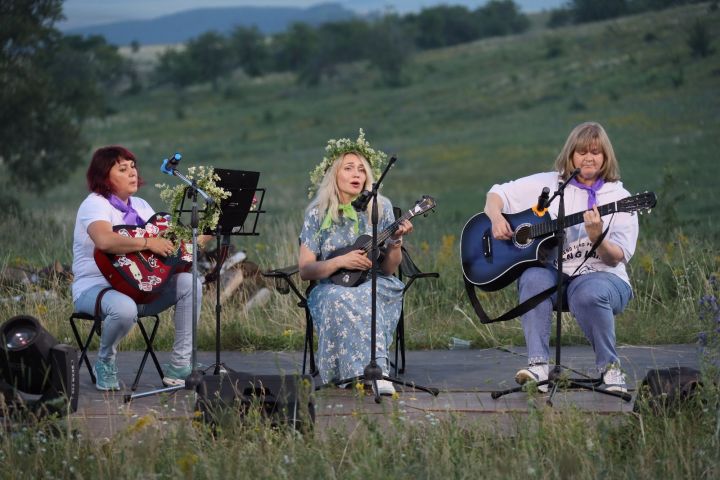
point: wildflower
(337, 147)
(646, 263)
(174, 196)
(186, 463)
(141, 423)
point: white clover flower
(337, 147)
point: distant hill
(180, 27)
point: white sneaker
(614, 380)
(385, 387)
(534, 373)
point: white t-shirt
(96, 207)
(521, 194)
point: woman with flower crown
(342, 314)
(113, 180)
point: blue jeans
(120, 312)
(594, 300)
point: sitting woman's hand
(405, 228)
(160, 246)
(355, 260)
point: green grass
(539, 444)
(670, 274)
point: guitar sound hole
(522, 235)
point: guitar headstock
(637, 203)
(423, 205)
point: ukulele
(352, 278)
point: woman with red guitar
(113, 179)
(599, 287)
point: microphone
(574, 174)
(170, 164)
(542, 202)
(361, 202)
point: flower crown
(338, 147)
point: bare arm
(106, 240)
(493, 209)
(313, 269)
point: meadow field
(468, 117)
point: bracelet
(145, 244)
(394, 242)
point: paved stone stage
(465, 379)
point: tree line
(386, 42)
(585, 11)
(314, 53)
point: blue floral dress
(342, 315)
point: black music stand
(192, 190)
(234, 212)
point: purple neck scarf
(131, 216)
(592, 190)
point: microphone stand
(195, 376)
(555, 376)
(373, 372)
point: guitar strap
(531, 302)
(98, 302)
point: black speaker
(64, 385)
(282, 399)
(37, 374)
(667, 390)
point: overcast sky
(92, 12)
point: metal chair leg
(84, 345)
(148, 350)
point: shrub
(699, 40)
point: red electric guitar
(142, 275)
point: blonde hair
(585, 136)
(327, 198)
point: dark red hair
(98, 173)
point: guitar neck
(546, 228)
(385, 234)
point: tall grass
(669, 274)
(542, 443)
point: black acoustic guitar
(353, 278)
(492, 264)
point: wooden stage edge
(465, 378)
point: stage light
(36, 373)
